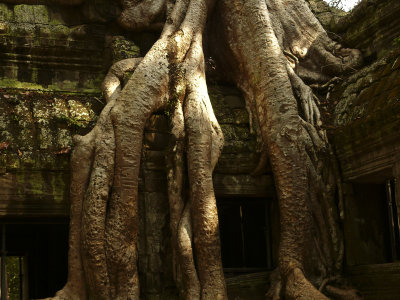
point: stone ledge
(379, 281)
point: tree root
(104, 211)
(262, 164)
(290, 123)
(189, 286)
(95, 208)
(142, 16)
(306, 97)
(184, 268)
(299, 288)
(112, 83)
(342, 294)
(275, 290)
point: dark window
(15, 282)
(371, 224)
(245, 234)
(393, 218)
(36, 261)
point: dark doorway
(245, 234)
(40, 251)
(393, 216)
(371, 224)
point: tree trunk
(272, 51)
(273, 48)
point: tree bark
(275, 46)
(274, 50)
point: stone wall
(35, 141)
(367, 118)
(372, 27)
(367, 144)
(366, 137)
(60, 47)
(327, 15)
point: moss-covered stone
(6, 14)
(24, 14)
(122, 48)
(39, 126)
(59, 31)
(71, 49)
(40, 13)
(371, 27)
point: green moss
(94, 85)
(55, 22)
(13, 83)
(173, 103)
(14, 117)
(6, 14)
(127, 76)
(34, 75)
(59, 31)
(243, 133)
(20, 182)
(41, 14)
(396, 41)
(71, 122)
(375, 128)
(123, 48)
(3, 28)
(63, 85)
(24, 14)
(12, 162)
(91, 86)
(37, 183)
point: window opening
(3, 263)
(34, 259)
(245, 234)
(372, 229)
(12, 273)
(14, 266)
(393, 217)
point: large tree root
(272, 71)
(271, 52)
(148, 14)
(299, 288)
(106, 241)
(345, 294)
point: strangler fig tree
(273, 50)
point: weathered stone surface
(367, 142)
(377, 281)
(244, 185)
(372, 27)
(248, 286)
(367, 118)
(327, 15)
(59, 48)
(37, 128)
